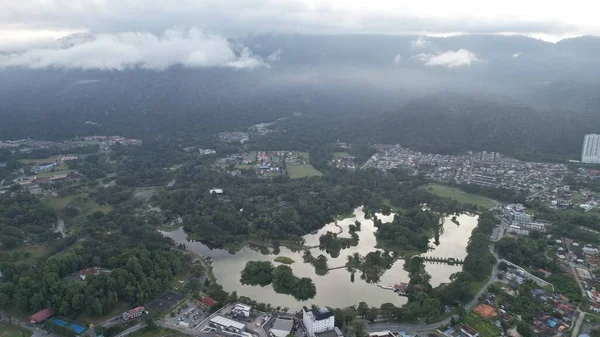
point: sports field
(460, 196)
(484, 328)
(302, 171)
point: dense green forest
(23, 218)
(281, 277)
(138, 264)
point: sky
(135, 27)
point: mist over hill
(505, 93)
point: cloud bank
(448, 59)
(189, 48)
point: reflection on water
(336, 289)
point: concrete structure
(317, 320)
(242, 310)
(590, 153)
(282, 327)
(468, 331)
(133, 313)
(225, 324)
(524, 273)
(331, 333)
(515, 229)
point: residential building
(317, 320)
(590, 251)
(225, 324)
(468, 331)
(88, 272)
(41, 316)
(216, 191)
(133, 313)
(242, 310)
(282, 327)
(590, 153)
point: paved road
(432, 326)
(132, 330)
(578, 324)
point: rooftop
(226, 322)
(318, 314)
(283, 324)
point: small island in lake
(284, 260)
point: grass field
(460, 196)
(244, 166)
(39, 161)
(9, 330)
(484, 328)
(119, 308)
(302, 171)
(80, 201)
(26, 254)
(341, 155)
(284, 260)
(156, 332)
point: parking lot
(163, 303)
(188, 316)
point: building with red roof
(88, 271)
(134, 313)
(41, 316)
(207, 302)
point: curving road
(432, 326)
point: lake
(336, 289)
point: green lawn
(302, 171)
(460, 196)
(342, 154)
(25, 253)
(81, 201)
(244, 166)
(484, 328)
(9, 330)
(39, 161)
(119, 308)
(156, 332)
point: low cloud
(421, 43)
(275, 56)
(448, 59)
(398, 59)
(516, 55)
(190, 48)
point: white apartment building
(317, 320)
(590, 153)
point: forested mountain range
(511, 94)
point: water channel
(336, 289)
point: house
(545, 272)
(225, 324)
(595, 307)
(590, 251)
(216, 191)
(282, 327)
(88, 272)
(242, 310)
(207, 302)
(133, 313)
(468, 331)
(317, 320)
(387, 333)
(41, 316)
